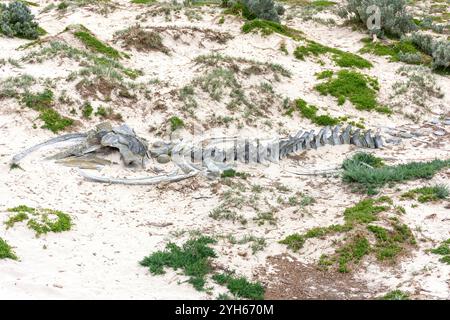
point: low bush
(16, 20)
(394, 18)
(255, 9)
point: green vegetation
(86, 110)
(215, 59)
(19, 217)
(143, 1)
(6, 251)
(216, 81)
(428, 194)
(360, 89)
(322, 3)
(96, 45)
(93, 64)
(257, 244)
(352, 252)
(369, 178)
(397, 51)
(324, 74)
(16, 20)
(310, 112)
(90, 41)
(43, 102)
(365, 211)
(39, 101)
(240, 287)
(254, 9)
(296, 241)
(175, 123)
(231, 173)
(53, 121)
(341, 58)
(268, 27)
(389, 243)
(194, 259)
(395, 20)
(395, 295)
(444, 251)
(41, 221)
(363, 158)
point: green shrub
(54, 121)
(41, 221)
(5, 251)
(444, 251)
(310, 112)
(143, 1)
(175, 123)
(341, 58)
(16, 20)
(364, 211)
(395, 21)
(363, 158)
(86, 110)
(231, 173)
(403, 50)
(268, 27)
(43, 102)
(240, 287)
(358, 88)
(395, 295)
(352, 252)
(255, 9)
(193, 258)
(428, 194)
(372, 178)
(39, 101)
(439, 50)
(90, 41)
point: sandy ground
(115, 226)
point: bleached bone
(70, 136)
(209, 157)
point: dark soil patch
(295, 280)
